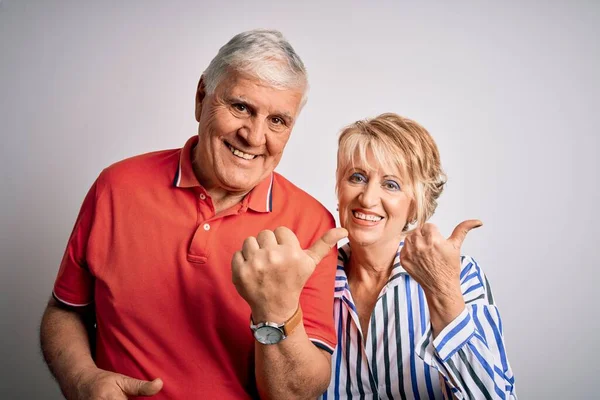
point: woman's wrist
(444, 307)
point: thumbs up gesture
(434, 261)
(271, 270)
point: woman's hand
(434, 262)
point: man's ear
(200, 95)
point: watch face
(268, 335)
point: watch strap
(292, 323)
(287, 327)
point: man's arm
(66, 347)
(292, 369)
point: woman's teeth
(367, 217)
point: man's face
(243, 128)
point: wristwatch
(272, 333)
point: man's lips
(239, 153)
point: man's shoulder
(287, 194)
(143, 168)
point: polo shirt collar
(341, 280)
(259, 199)
(184, 176)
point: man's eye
(240, 107)
(357, 178)
(277, 121)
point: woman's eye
(391, 185)
(357, 178)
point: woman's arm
(469, 352)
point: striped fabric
(467, 360)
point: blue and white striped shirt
(467, 360)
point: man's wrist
(279, 315)
(269, 332)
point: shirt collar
(259, 199)
(341, 279)
(184, 176)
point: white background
(509, 90)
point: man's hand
(97, 383)
(271, 270)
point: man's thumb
(460, 232)
(136, 387)
(321, 247)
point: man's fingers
(321, 247)
(266, 239)
(460, 232)
(250, 246)
(286, 236)
(136, 387)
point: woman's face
(373, 205)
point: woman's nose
(369, 197)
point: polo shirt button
(206, 227)
(202, 196)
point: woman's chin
(360, 239)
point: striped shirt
(399, 360)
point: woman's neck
(370, 266)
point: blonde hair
(396, 143)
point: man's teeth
(241, 154)
(366, 217)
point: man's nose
(254, 132)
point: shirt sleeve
(316, 298)
(469, 353)
(74, 285)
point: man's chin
(239, 186)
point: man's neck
(223, 200)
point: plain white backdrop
(510, 91)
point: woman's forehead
(375, 161)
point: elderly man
(175, 253)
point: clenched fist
(271, 270)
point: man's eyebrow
(286, 116)
(237, 99)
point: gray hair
(261, 53)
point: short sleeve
(74, 285)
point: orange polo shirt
(149, 252)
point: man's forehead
(258, 93)
(243, 85)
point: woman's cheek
(343, 217)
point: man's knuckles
(274, 259)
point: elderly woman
(414, 318)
